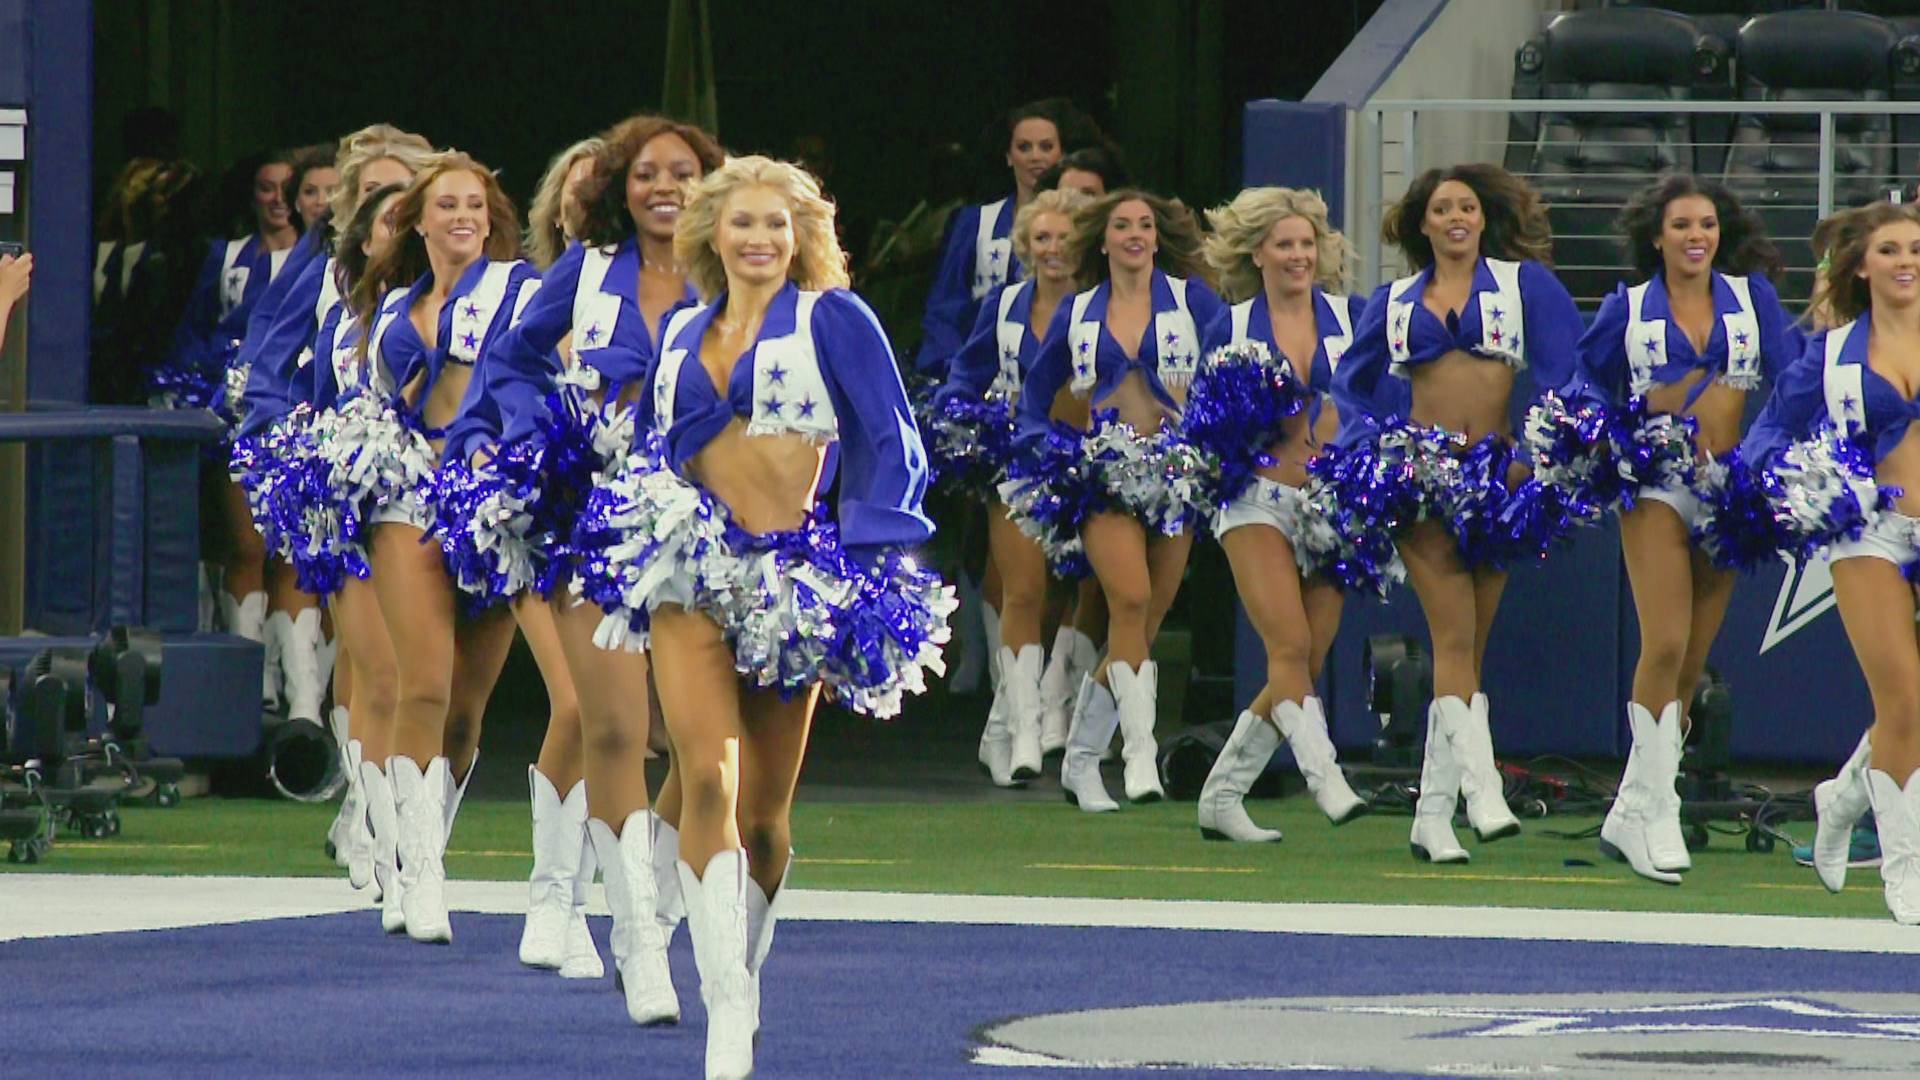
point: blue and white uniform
(1063, 476)
(554, 429)
(1635, 345)
(231, 281)
(975, 262)
(1387, 473)
(971, 426)
(833, 601)
(1829, 423)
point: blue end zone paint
(332, 996)
(1375, 51)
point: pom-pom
(1050, 490)
(1238, 407)
(969, 443)
(1817, 492)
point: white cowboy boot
(1838, 805)
(763, 914)
(359, 844)
(669, 906)
(1480, 779)
(300, 646)
(1666, 842)
(583, 956)
(558, 825)
(717, 921)
(1305, 728)
(247, 618)
(339, 834)
(274, 628)
(383, 826)
(419, 801)
(1136, 692)
(1095, 717)
(1057, 685)
(1241, 760)
(1440, 770)
(1020, 689)
(1624, 835)
(1896, 812)
(996, 739)
(452, 795)
(639, 948)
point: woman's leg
(1877, 610)
(613, 702)
(243, 571)
(1324, 602)
(1712, 592)
(417, 606)
(1447, 594)
(1022, 573)
(1270, 592)
(701, 700)
(771, 754)
(559, 759)
(1117, 549)
(375, 674)
(480, 648)
(1660, 563)
(1166, 569)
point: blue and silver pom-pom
(232, 406)
(1817, 492)
(1238, 406)
(482, 516)
(970, 442)
(1653, 451)
(1570, 450)
(184, 387)
(1050, 490)
(379, 457)
(1160, 479)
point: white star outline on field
(1793, 1016)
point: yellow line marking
(118, 846)
(1147, 869)
(1534, 878)
(1787, 885)
(848, 862)
(494, 854)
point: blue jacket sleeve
(950, 304)
(1553, 327)
(1364, 387)
(1051, 366)
(1781, 342)
(520, 365)
(1793, 409)
(274, 346)
(481, 421)
(978, 361)
(322, 389)
(883, 465)
(1600, 374)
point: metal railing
(1396, 140)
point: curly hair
(1065, 203)
(368, 145)
(1176, 230)
(1516, 218)
(349, 247)
(1241, 226)
(547, 231)
(405, 259)
(818, 261)
(1744, 247)
(1840, 242)
(604, 218)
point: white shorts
(1693, 512)
(411, 510)
(1277, 506)
(1891, 535)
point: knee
(1452, 638)
(376, 687)
(767, 838)
(1663, 652)
(1289, 653)
(463, 729)
(1127, 602)
(611, 741)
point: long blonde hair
(547, 226)
(1241, 226)
(1063, 201)
(368, 145)
(818, 261)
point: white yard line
(55, 905)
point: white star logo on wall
(1806, 593)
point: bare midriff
(768, 482)
(1718, 411)
(1298, 443)
(1463, 393)
(443, 400)
(1137, 406)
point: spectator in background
(16, 276)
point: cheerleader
(1260, 416)
(553, 217)
(1091, 170)
(1673, 360)
(723, 555)
(1480, 310)
(280, 377)
(232, 279)
(431, 299)
(1116, 476)
(973, 431)
(1840, 459)
(602, 300)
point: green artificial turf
(1043, 849)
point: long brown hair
(404, 260)
(1516, 218)
(1177, 235)
(1840, 295)
(603, 194)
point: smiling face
(1131, 238)
(316, 188)
(270, 210)
(1047, 243)
(1689, 236)
(1891, 267)
(1034, 148)
(1288, 257)
(753, 235)
(658, 181)
(454, 218)
(1453, 221)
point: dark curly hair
(1516, 218)
(1176, 231)
(604, 218)
(1744, 247)
(1075, 128)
